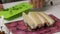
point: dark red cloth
(20, 28)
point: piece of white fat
(29, 21)
(49, 20)
(38, 20)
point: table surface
(55, 10)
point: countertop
(55, 10)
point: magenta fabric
(19, 27)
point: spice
(1, 6)
(37, 3)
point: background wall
(7, 5)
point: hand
(37, 3)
